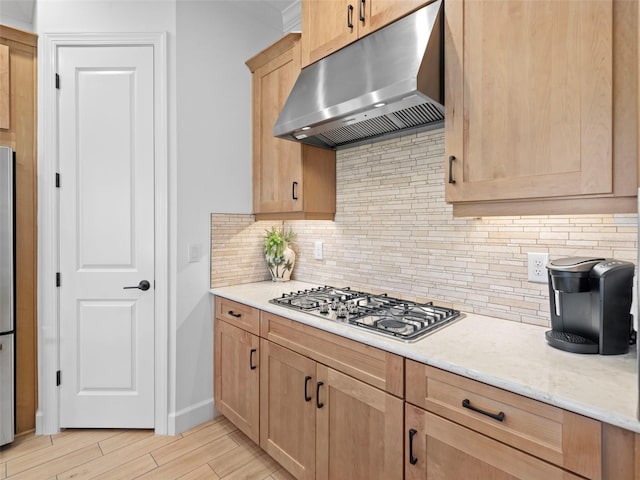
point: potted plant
(278, 253)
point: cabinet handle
(350, 16)
(466, 403)
(451, 159)
(294, 188)
(234, 314)
(307, 398)
(361, 10)
(251, 365)
(412, 460)
(319, 404)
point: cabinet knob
(294, 190)
(361, 10)
(350, 16)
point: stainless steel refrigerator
(7, 308)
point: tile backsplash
(393, 232)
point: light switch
(317, 249)
(195, 252)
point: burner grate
(382, 314)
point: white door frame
(47, 416)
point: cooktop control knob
(324, 307)
(352, 308)
(341, 311)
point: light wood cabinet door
(326, 26)
(383, 12)
(437, 449)
(287, 409)
(237, 377)
(290, 180)
(278, 162)
(530, 100)
(330, 25)
(359, 429)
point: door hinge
(58, 279)
(57, 180)
(58, 378)
(57, 81)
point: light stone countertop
(502, 353)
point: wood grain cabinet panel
(238, 314)
(620, 453)
(18, 121)
(288, 409)
(237, 377)
(330, 25)
(5, 89)
(550, 433)
(438, 449)
(541, 103)
(376, 367)
(290, 180)
(359, 429)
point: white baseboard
(191, 416)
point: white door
(106, 161)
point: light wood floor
(214, 450)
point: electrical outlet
(317, 249)
(537, 267)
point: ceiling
(23, 10)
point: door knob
(144, 285)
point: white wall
(15, 23)
(209, 151)
(17, 14)
(214, 167)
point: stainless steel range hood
(387, 83)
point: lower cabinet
(287, 404)
(462, 425)
(358, 429)
(329, 408)
(438, 449)
(320, 423)
(236, 377)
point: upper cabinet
(541, 104)
(329, 25)
(290, 181)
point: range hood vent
(386, 84)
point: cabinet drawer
(238, 314)
(441, 449)
(371, 365)
(560, 437)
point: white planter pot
(281, 267)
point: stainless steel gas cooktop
(401, 319)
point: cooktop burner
(382, 314)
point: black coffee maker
(590, 299)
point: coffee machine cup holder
(570, 342)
